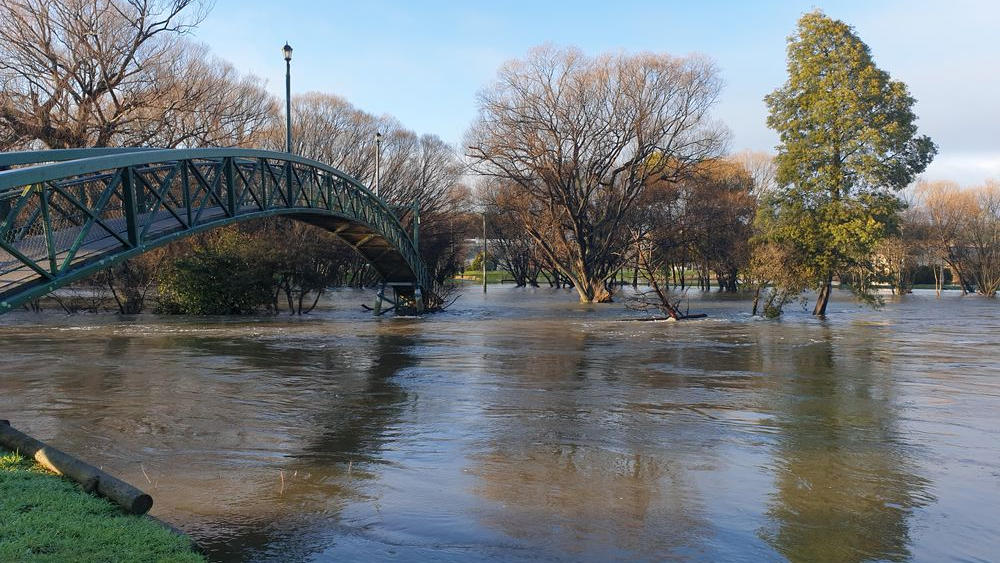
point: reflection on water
(563, 471)
(524, 426)
(593, 502)
(354, 426)
(845, 481)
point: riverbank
(44, 517)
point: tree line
(592, 171)
(606, 166)
(946, 226)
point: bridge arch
(66, 214)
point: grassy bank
(44, 517)
(492, 276)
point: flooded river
(525, 426)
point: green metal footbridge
(67, 214)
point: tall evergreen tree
(848, 143)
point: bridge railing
(67, 214)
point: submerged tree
(582, 137)
(943, 210)
(722, 212)
(848, 142)
(705, 218)
(983, 255)
(222, 275)
(510, 244)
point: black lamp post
(484, 249)
(287, 51)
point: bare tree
(582, 137)
(222, 108)
(982, 254)
(761, 168)
(706, 216)
(721, 211)
(329, 129)
(418, 173)
(81, 73)
(947, 209)
(512, 247)
(413, 168)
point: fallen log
(679, 318)
(89, 477)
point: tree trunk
(319, 293)
(961, 279)
(592, 292)
(664, 300)
(635, 270)
(288, 296)
(111, 286)
(824, 296)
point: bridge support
(408, 299)
(381, 299)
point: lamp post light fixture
(287, 51)
(378, 161)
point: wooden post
(91, 478)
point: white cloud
(968, 169)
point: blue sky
(423, 62)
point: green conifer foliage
(849, 142)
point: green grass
(47, 518)
(492, 276)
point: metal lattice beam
(66, 214)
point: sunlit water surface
(524, 426)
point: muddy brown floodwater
(525, 426)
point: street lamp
(378, 160)
(287, 51)
(484, 250)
